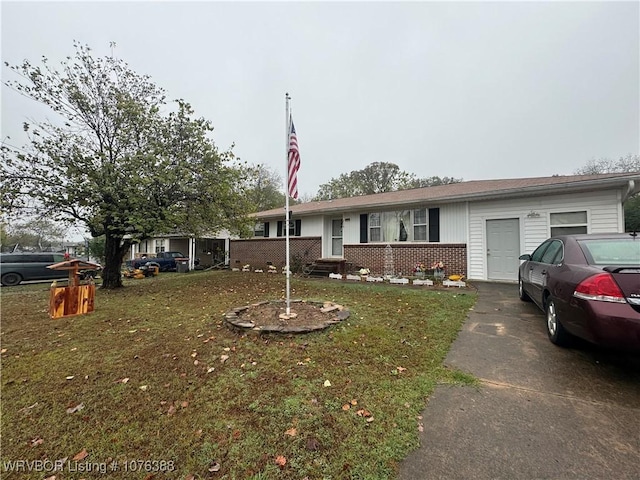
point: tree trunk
(114, 251)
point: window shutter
(279, 233)
(266, 229)
(298, 228)
(364, 227)
(434, 224)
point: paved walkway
(541, 412)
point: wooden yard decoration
(74, 298)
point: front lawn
(153, 385)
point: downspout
(632, 189)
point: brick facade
(258, 251)
(406, 256)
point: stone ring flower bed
(267, 316)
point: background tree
(377, 177)
(34, 235)
(264, 188)
(113, 161)
(628, 163)
(95, 248)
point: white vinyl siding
(604, 214)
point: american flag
(294, 161)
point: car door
(543, 269)
(534, 276)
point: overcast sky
(473, 90)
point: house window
(420, 225)
(375, 230)
(390, 226)
(566, 223)
(160, 245)
(295, 228)
(258, 229)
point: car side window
(536, 256)
(552, 253)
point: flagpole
(286, 205)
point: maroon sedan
(588, 286)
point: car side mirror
(524, 256)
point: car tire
(521, 293)
(557, 333)
(11, 279)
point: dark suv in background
(16, 267)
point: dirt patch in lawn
(306, 316)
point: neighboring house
(476, 228)
(208, 250)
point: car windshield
(612, 251)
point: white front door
(503, 247)
(336, 237)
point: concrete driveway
(541, 412)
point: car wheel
(557, 334)
(11, 279)
(521, 293)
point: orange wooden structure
(74, 298)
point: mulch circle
(264, 317)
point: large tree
(628, 163)
(378, 177)
(115, 161)
(264, 188)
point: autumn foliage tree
(114, 160)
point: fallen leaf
(210, 369)
(224, 358)
(401, 369)
(144, 387)
(346, 407)
(52, 477)
(327, 383)
(4, 350)
(281, 461)
(190, 477)
(70, 377)
(226, 349)
(184, 404)
(150, 476)
(215, 467)
(171, 410)
(354, 402)
(123, 380)
(363, 413)
(75, 409)
(194, 354)
(36, 441)
(81, 455)
(196, 362)
(291, 432)
(370, 419)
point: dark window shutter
(266, 229)
(434, 224)
(364, 228)
(279, 233)
(298, 228)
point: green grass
(165, 334)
